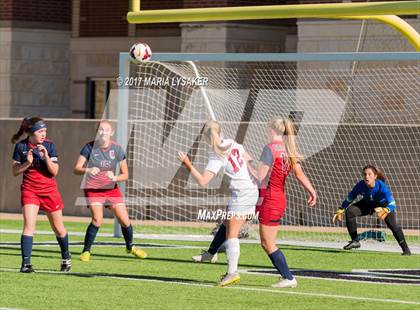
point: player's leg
(233, 226)
(391, 222)
(211, 254)
(121, 213)
(57, 225)
(30, 212)
(97, 213)
(352, 212)
(268, 234)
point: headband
(37, 126)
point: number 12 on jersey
(235, 160)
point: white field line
(327, 279)
(241, 288)
(366, 246)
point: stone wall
(34, 72)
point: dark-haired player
(377, 198)
(36, 158)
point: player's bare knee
(266, 245)
(28, 230)
(97, 221)
(60, 232)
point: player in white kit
(233, 158)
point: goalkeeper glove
(338, 216)
(382, 213)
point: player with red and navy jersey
(36, 158)
(233, 159)
(99, 161)
(278, 159)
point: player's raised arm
(19, 168)
(203, 179)
(50, 161)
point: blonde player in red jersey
(231, 156)
(279, 157)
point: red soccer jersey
(36, 178)
(274, 155)
(106, 159)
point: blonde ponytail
(212, 133)
(286, 129)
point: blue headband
(37, 126)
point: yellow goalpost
(381, 11)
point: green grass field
(169, 279)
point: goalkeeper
(377, 198)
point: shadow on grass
(116, 276)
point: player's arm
(123, 176)
(52, 165)
(388, 201)
(80, 167)
(351, 196)
(20, 162)
(262, 171)
(338, 216)
(202, 179)
(249, 163)
(264, 166)
(304, 181)
(18, 168)
(49, 159)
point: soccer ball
(140, 52)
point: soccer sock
(26, 249)
(90, 236)
(279, 261)
(128, 236)
(232, 254)
(352, 227)
(64, 246)
(399, 236)
(218, 240)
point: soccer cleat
(228, 279)
(285, 283)
(354, 244)
(406, 252)
(205, 257)
(137, 252)
(27, 268)
(85, 256)
(65, 265)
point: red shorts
(49, 202)
(271, 211)
(104, 196)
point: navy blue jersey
(36, 177)
(106, 159)
(378, 196)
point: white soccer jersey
(234, 166)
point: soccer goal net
(346, 116)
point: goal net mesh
(345, 119)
